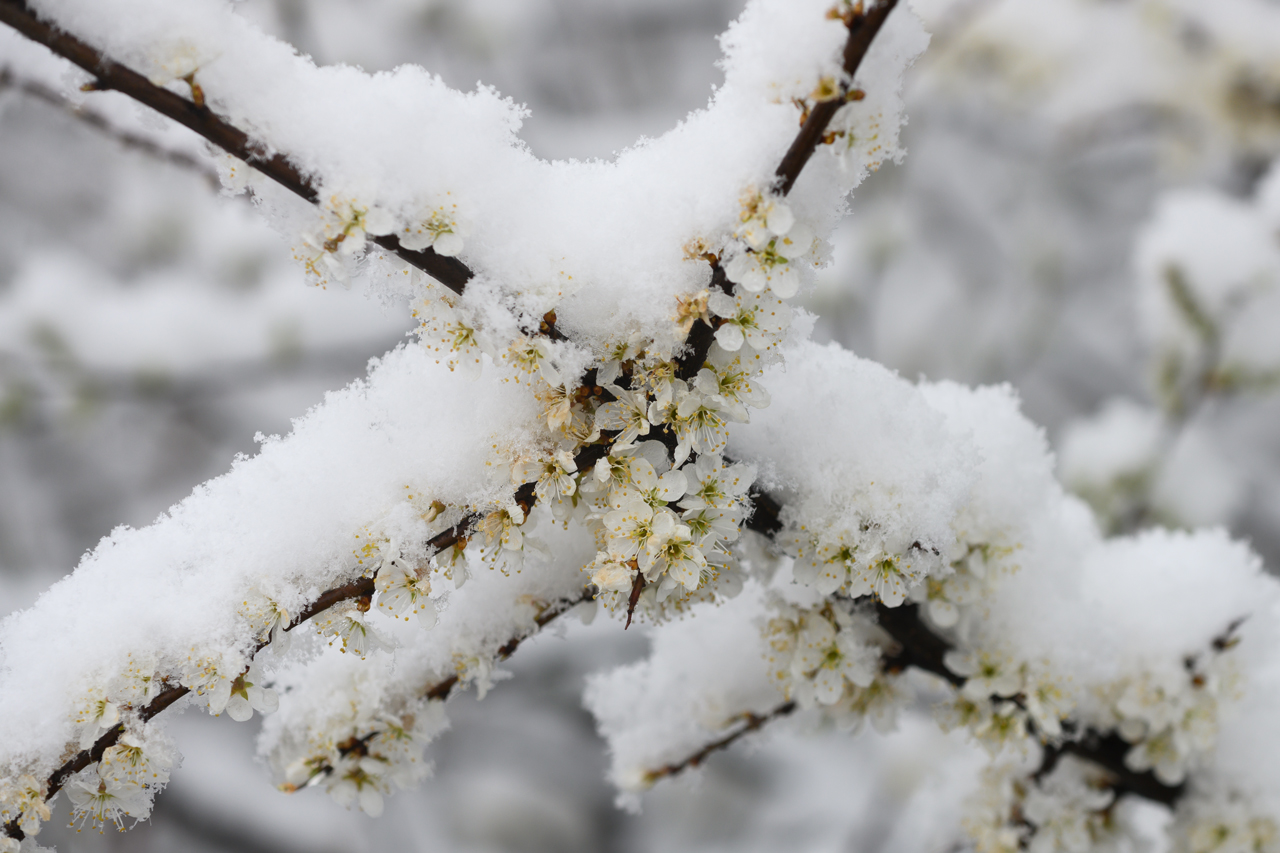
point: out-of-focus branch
(111, 75)
(750, 722)
(132, 141)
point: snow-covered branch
(110, 75)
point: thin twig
(110, 75)
(751, 722)
(443, 689)
(863, 27)
(637, 587)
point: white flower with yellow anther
(243, 695)
(985, 673)
(827, 656)
(645, 482)
(22, 802)
(612, 572)
(107, 800)
(349, 626)
(552, 475)
(439, 231)
(359, 782)
(618, 471)
(447, 336)
(774, 265)
(757, 319)
(823, 565)
(501, 528)
(98, 715)
(763, 218)
(631, 525)
(401, 590)
(713, 528)
(670, 550)
(628, 413)
(139, 760)
(1220, 821)
(994, 725)
(1046, 702)
(733, 383)
(535, 356)
(699, 425)
(1066, 808)
(884, 575)
(714, 484)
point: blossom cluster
(1067, 810)
(831, 658)
(377, 756)
(332, 248)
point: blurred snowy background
(150, 328)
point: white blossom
(628, 413)
(757, 319)
(553, 476)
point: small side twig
(637, 587)
(751, 722)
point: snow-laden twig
(863, 26)
(112, 76)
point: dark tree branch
(863, 26)
(110, 75)
(1108, 752)
(703, 334)
(637, 587)
(765, 514)
(918, 646)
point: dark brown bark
(863, 27)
